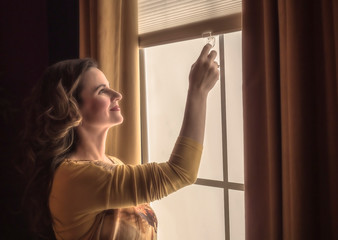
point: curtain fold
(290, 98)
(109, 34)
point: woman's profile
(76, 191)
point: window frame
(219, 26)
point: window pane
(234, 109)
(167, 72)
(236, 212)
(194, 212)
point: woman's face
(99, 104)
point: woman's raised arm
(203, 77)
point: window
(213, 207)
(170, 40)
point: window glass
(167, 72)
(194, 212)
(197, 212)
(234, 108)
(236, 212)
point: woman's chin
(117, 121)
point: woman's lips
(116, 108)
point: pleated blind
(155, 15)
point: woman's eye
(102, 90)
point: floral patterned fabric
(137, 223)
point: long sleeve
(84, 188)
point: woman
(77, 189)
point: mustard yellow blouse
(97, 200)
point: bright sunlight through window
(213, 207)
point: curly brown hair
(50, 136)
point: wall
(33, 34)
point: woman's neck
(91, 145)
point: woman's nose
(116, 96)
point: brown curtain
(290, 94)
(109, 34)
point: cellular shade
(154, 15)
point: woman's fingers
(212, 55)
(205, 51)
(204, 72)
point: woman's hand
(204, 72)
(203, 76)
